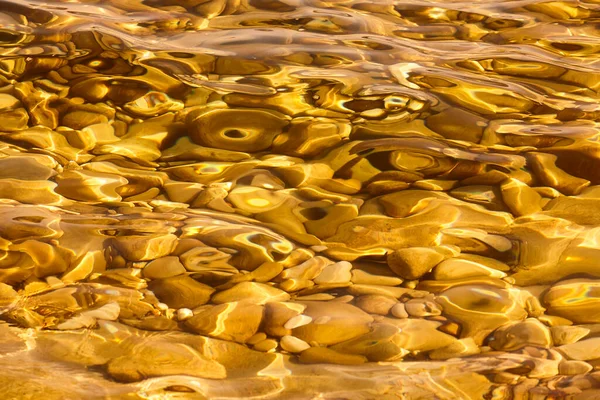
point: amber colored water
(299, 199)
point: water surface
(265, 199)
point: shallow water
(264, 199)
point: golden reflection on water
(346, 199)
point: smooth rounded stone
(237, 321)
(297, 257)
(181, 291)
(545, 244)
(163, 359)
(83, 139)
(414, 161)
(456, 123)
(575, 299)
(210, 10)
(142, 181)
(367, 278)
(30, 192)
(308, 270)
(257, 293)
(127, 277)
(496, 242)
(18, 273)
(531, 302)
(47, 259)
(184, 313)
(579, 209)
(399, 310)
(14, 120)
(141, 150)
(133, 305)
(335, 273)
(213, 197)
(265, 272)
(266, 345)
(553, 320)
(480, 309)
(486, 261)
(545, 169)
(259, 337)
(317, 297)
(341, 322)
(54, 282)
(97, 134)
(25, 168)
(572, 367)
(484, 195)
(183, 192)
(297, 321)
(164, 267)
(420, 334)
(293, 344)
(506, 378)
(577, 259)
(343, 299)
(278, 314)
(389, 291)
(421, 308)
(530, 332)
(238, 359)
(186, 244)
(383, 343)
(80, 119)
(145, 248)
(152, 323)
(252, 245)
(8, 102)
(565, 334)
(247, 130)
(456, 268)
(107, 312)
(476, 239)
(295, 285)
(375, 304)
(461, 348)
(309, 137)
(203, 258)
(414, 262)
(255, 200)
(547, 193)
(324, 355)
(139, 264)
(587, 349)
(520, 198)
(152, 104)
